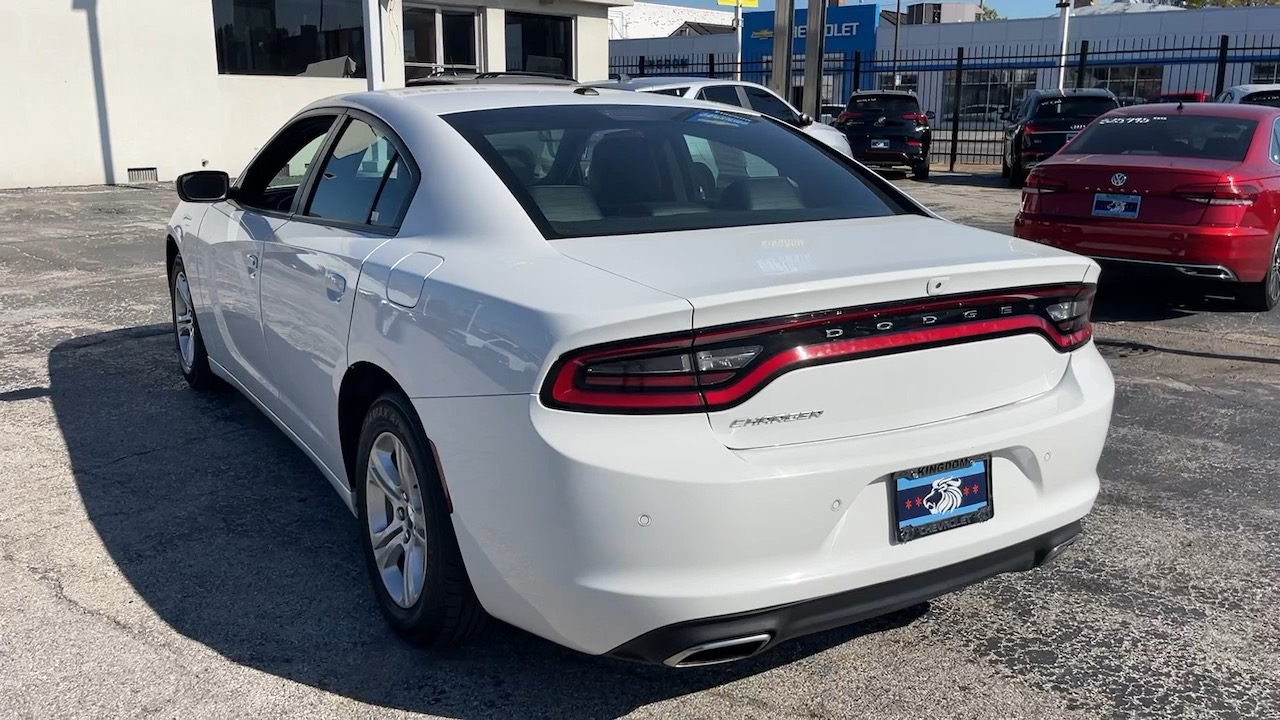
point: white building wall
(95, 87)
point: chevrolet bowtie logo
(762, 34)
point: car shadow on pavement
(236, 541)
(1126, 297)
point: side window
(726, 164)
(1275, 142)
(363, 179)
(271, 182)
(674, 92)
(763, 101)
(727, 94)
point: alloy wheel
(1273, 277)
(184, 320)
(396, 519)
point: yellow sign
(745, 3)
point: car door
(230, 257)
(352, 204)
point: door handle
(251, 261)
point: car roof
(1072, 92)
(507, 77)
(1222, 110)
(1258, 87)
(419, 104)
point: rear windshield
(1270, 98)
(1074, 107)
(1189, 136)
(886, 104)
(585, 170)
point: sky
(1007, 8)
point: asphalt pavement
(167, 554)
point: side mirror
(805, 120)
(1006, 116)
(203, 186)
(931, 115)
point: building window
(1125, 81)
(539, 43)
(1000, 88)
(316, 38)
(1265, 73)
(910, 82)
(440, 40)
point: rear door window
(727, 94)
(360, 169)
(1074, 107)
(1189, 136)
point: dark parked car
(887, 129)
(1044, 122)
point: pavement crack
(168, 446)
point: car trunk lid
(811, 301)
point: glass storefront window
(439, 40)
(316, 38)
(539, 43)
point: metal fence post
(955, 108)
(1084, 61)
(857, 70)
(640, 67)
(711, 65)
(1224, 48)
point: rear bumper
(889, 158)
(1235, 254)
(672, 644)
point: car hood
(828, 135)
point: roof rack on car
(452, 77)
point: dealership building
(113, 91)
(1136, 48)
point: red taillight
(1038, 184)
(846, 116)
(718, 368)
(914, 143)
(916, 117)
(1032, 128)
(1224, 193)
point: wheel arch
(362, 384)
(170, 252)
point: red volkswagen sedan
(1188, 190)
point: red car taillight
(919, 118)
(719, 368)
(847, 116)
(1224, 193)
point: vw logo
(1119, 179)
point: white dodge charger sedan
(649, 377)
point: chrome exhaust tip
(720, 651)
(1057, 550)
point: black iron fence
(970, 89)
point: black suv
(1044, 122)
(887, 129)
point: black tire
(447, 612)
(921, 171)
(1017, 175)
(1264, 296)
(196, 372)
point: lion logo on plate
(945, 495)
(1119, 179)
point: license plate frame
(926, 502)
(879, 144)
(1117, 205)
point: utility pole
(373, 58)
(814, 42)
(1065, 7)
(784, 13)
(737, 29)
(897, 25)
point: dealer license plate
(879, 144)
(1116, 206)
(943, 496)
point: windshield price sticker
(1131, 120)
